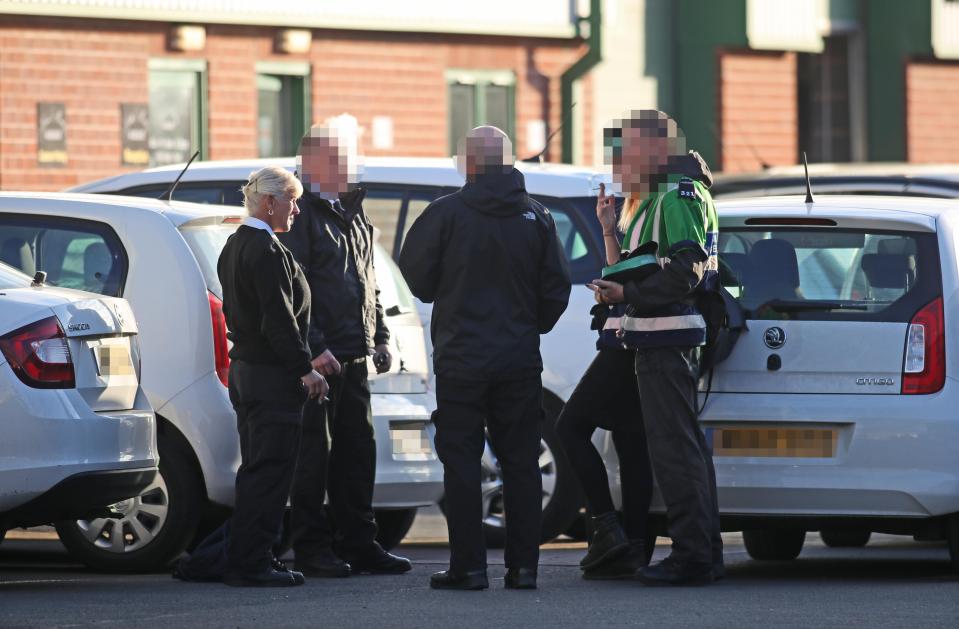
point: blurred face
(285, 211)
(326, 165)
(640, 157)
(484, 150)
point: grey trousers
(681, 459)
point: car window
(417, 203)
(383, 207)
(394, 293)
(206, 242)
(853, 274)
(585, 261)
(215, 192)
(11, 277)
(84, 255)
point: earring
(270, 212)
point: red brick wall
(758, 109)
(932, 99)
(94, 65)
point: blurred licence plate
(113, 357)
(774, 442)
(410, 441)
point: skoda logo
(774, 338)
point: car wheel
(392, 525)
(774, 544)
(148, 531)
(561, 499)
(845, 538)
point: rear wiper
(783, 305)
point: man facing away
(489, 259)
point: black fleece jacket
(266, 301)
(489, 258)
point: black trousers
(269, 425)
(607, 397)
(512, 412)
(682, 460)
(337, 457)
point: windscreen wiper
(784, 305)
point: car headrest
(773, 261)
(889, 270)
(97, 263)
(732, 268)
(903, 246)
(16, 252)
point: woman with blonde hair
(266, 303)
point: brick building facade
(93, 66)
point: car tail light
(40, 355)
(221, 351)
(924, 368)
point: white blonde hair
(270, 181)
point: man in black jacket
(489, 257)
(333, 241)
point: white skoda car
(162, 258)
(78, 431)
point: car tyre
(774, 544)
(952, 536)
(156, 526)
(392, 525)
(845, 538)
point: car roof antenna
(805, 165)
(168, 195)
(538, 158)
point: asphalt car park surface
(893, 582)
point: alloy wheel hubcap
(137, 521)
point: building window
(178, 101)
(831, 109)
(283, 114)
(480, 98)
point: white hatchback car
(162, 258)
(398, 190)
(836, 410)
(78, 431)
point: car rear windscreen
(206, 242)
(829, 274)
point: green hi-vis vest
(680, 216)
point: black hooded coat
(488, 258)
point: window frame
(100, 228)
(201, 71)
(302, 114)
(481, 79)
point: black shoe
(323, 564)
(269, 578)
(449, 580)
(672, 571)
(182, 573)
(622, 567)
(279, 566)
(375, 560)
(609, 541)
(520, 579)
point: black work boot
(672, 571)
(450, 580)
(520, 579)
(609, 541)
(622, 567)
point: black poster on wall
(135, 134)
(51, 134)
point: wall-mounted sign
(51, 134)
(135, 134)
